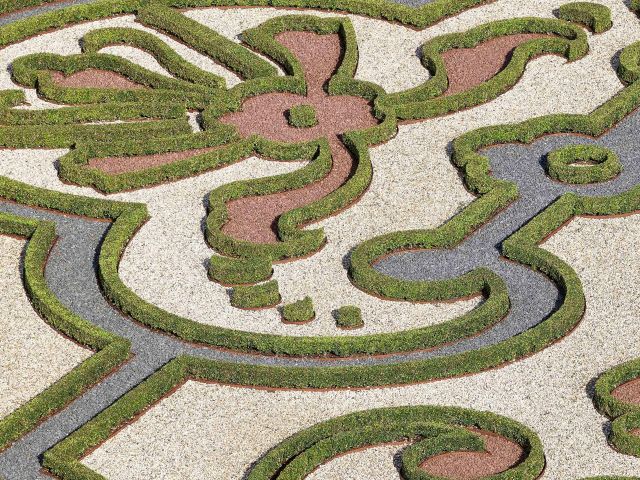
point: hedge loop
(583, 164)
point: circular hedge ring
(583, 164)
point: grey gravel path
(71, 275)
(30, 12)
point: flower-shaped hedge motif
(266, 115)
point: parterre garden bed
(320, 239)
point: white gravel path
(223, 429)
(32, 354)
(375, 463)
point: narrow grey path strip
(31, 12)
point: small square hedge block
(349, 317)
(239, 271)
(299, 312)
(302, 116)
(256, 296)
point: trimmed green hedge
(522, 246)
(127, 218)
(206, 41)
(302, 116)
(593, 15)
(111, 350)
(261, 295)
(625, 416)
(299, 312)
(438, 429)
(238, 271)
(349, 317)
(176, 65)
(600, 164)
(427, 100)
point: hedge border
(420, 17)
(446, 427)
(127, 218)
(110, 350)
(349, 317)
(262, 295)
(625, 416)
(299, 312)
(302, 116)
(522, 246)
(606, 165)
(593, 15)
(426, 100)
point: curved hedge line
(441, 429)
(349, 317)
(111, 350)
(127, 218)
(522, 246)
(593, 15)
(625, 416)
(299, 312)
(426, 100)
(602, 164)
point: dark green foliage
(629, 63)
(256, 296)
(299, 312)
(522, 246)
(426, 100)
(206, 41)
(349, 317)
(302, 116)
(593, 15)
(95, 40)
(565, 164)
(238, 271)
(625, 416)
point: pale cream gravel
(414, 186)
(137, 56)
(224, 429)
(32, 354)
(360, 465)
(194, 121)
